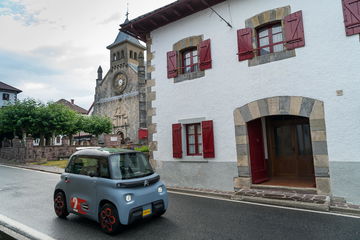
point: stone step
(283, 195)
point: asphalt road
(26, 196)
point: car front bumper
(136, 214)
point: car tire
(60, 205)
(109, 219)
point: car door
(81, 185)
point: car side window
(104, 168)
(69, 167)
(84, 166)
(89, 166)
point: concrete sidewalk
(304, 201)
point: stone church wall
(124, 114)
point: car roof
(102, 152)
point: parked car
(114, 187)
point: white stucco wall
(330, 61)
(12, 98)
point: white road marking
(228, 200)
(266, 205)
(17, 228)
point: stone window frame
(182, 45)
(261, 20)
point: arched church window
(117, 55)
(114, 57)
(131, 54)
(135, 55)
(122, 54)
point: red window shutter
(245, 47)
(205, 55)
(177, 142)
(294, 31)
(172, 64)
(208, 139)
(351, 9)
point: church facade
(120, 94)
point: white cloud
(29, 86)
(115, 17)
(53, 48)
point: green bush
(142, 149)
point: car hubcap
(59, 204)
(107, 219)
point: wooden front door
(259, 170)
(290, 146)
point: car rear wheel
(109, 219)
(60, 205)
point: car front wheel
(60, 205)
(109, 219)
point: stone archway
(122, 138)
(283, 105)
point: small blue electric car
(114, 187)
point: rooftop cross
(127, 12)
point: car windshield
(130, 165)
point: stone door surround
(283, 105)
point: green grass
(59, 163)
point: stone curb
(285, 203)
(9, 232)
(326, 207)
(20, 231)
(30, 168)
(232, 196)
(343, 210)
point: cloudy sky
(51, 49)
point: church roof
(4, 86)
(123, 37)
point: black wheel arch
(105, 201)
(57, 191)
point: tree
(97, 125)
(55, 119)
(18, 118)
(46, 121)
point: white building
(272, 100)
(8, 94)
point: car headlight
(128, 197)
(160, 189)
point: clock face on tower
(120, 82)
